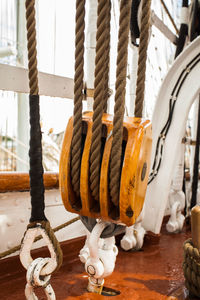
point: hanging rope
(120, 87)
(32, 52)
(99, 85)
(191, 268)
(107, 58)
(35, 152)
(78, 96)
(183, 32)
(195, 178)
(144, 37)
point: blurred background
(55, 46)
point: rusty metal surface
(155, 273)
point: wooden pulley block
(82, 205)
(137, 140)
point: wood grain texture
(69, 198)
(15, 181)
(137, 153)
(138, 137)
(89, 204)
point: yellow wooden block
(137, 141)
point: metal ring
(33, 279)
(38, 271)
(30, 270)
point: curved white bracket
(134, 235)
(133, 238)
(25, 252)
(176, 220)
(158, 190)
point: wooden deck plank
(151, 274)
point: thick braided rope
(116, 151)
(32, 52)
(144, 36)
(191, 268)
(107, 59)
(78, 96)
(57, 228)
(36, 168)
(95, 150)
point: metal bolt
(91, 270)
(129, 212)
(144, 170)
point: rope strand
(99, 84)
(144, 36)
(32, 52)
(107, 59)
(120, 87)
(78, 97)
(35, 152)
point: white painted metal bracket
(176, 196)
(158, 190)
(134, 235)
(100, 262)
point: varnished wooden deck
(155, 273)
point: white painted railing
(16, 79)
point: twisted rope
(191, 268)
(57, 228)
(35, 152)
(78, 96)
(32, 52)
(116, 151)
(144, 36)
(107, 58)
(99, 84)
